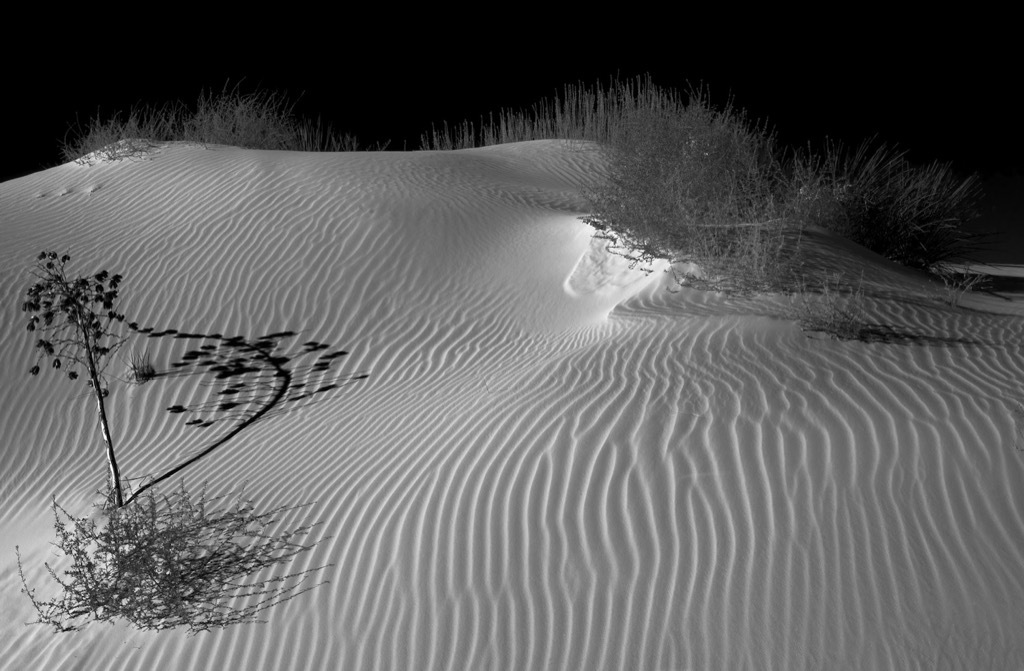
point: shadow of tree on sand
(249, 380)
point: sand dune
(554, 462)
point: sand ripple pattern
(529, 478)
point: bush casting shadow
(167, 561)
(170, 561)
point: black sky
(942, 93)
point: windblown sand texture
(554, 462)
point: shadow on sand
(250, 380)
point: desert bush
(578, 113)
(170, 561)
(874, 196)
(695, 184)
(700, 187)
(123, 136)
(257, 120)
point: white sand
(555, 462)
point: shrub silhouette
(259, 119)
(170, 561)
(913, 215)
(698, 186)
(167, 561)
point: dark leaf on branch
(56, 363)
(42, 255)
(72, 375)
(34, 370)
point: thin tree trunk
(115, 474)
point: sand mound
(553, 462)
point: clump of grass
(579, 113)
(254, 120)
(140, 367)
(913, 215)
(318, 136)
(828, 310)
(257, 120)
(959, 282)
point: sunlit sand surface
(555, 461)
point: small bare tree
(163, 561)
(76, 319)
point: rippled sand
(554, 461)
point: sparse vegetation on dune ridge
(692, 183)
(595, 114)
(256, 120)
(913, 215)
(704, 187)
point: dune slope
(554, 461)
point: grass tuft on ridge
(254, 120)
(703, 187)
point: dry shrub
(697, 186)
(171, 561)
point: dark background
(942, 92)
